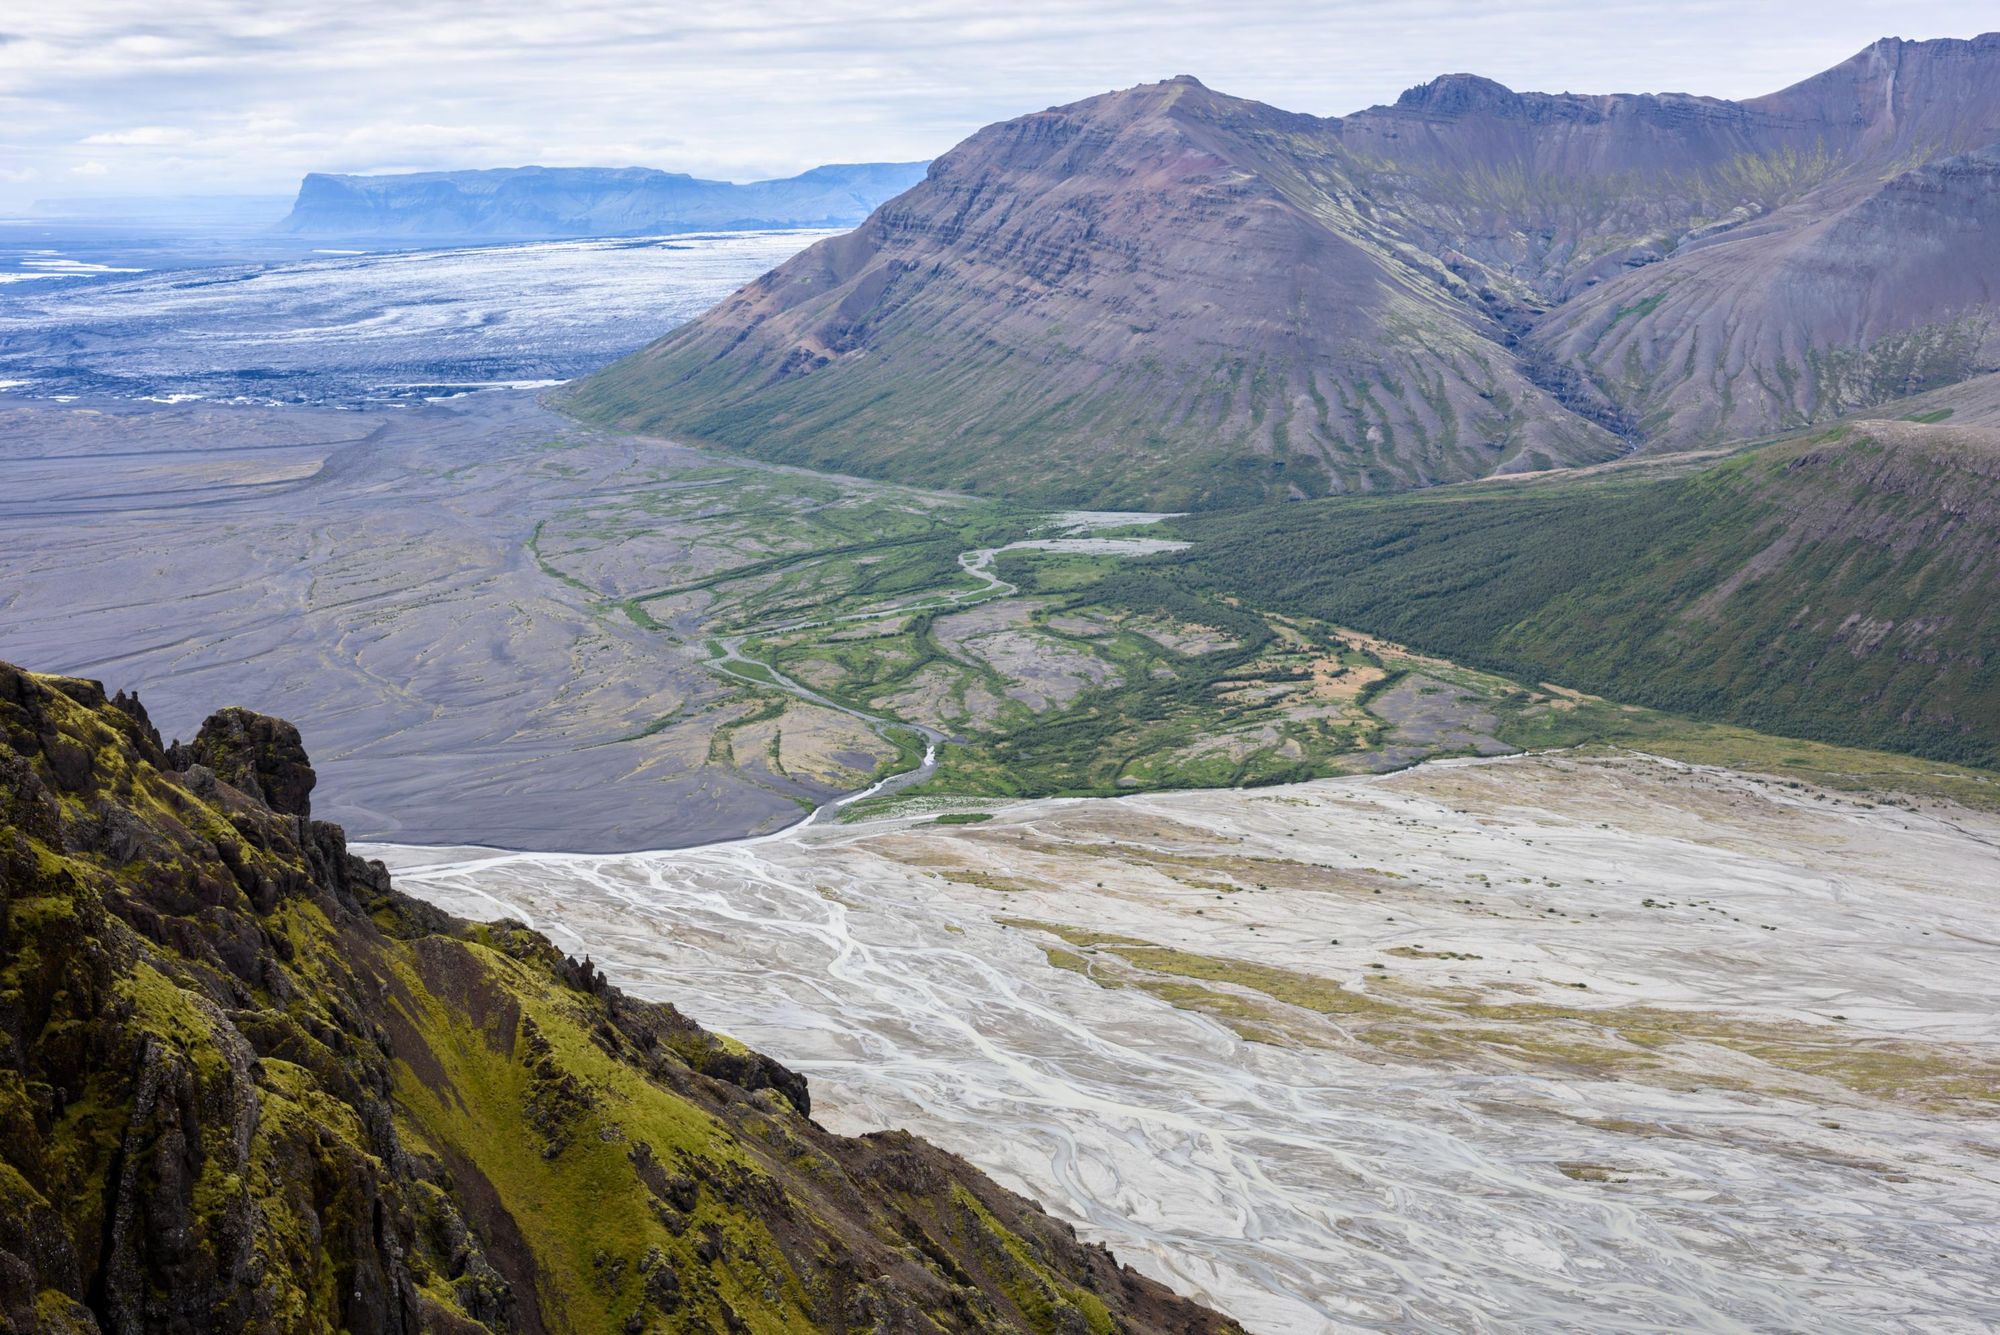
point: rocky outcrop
(246, 1085)
(1170, 298)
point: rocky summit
(247, 1085)
(1168, 297)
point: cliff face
(245, 1084)
(1169, 297)
(537, 202)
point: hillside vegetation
(246, 1085)
(1836, 586)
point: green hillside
(1839, 586)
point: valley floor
(1562, 1041)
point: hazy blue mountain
(519, 203)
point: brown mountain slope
(1847, 304)
(1560, 191)
(1163, 296)
(1175, 298)
(245, 1085)
(1897, 100)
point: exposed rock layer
(245, 1084)
(1169, 297)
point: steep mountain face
(1163, 296)
(1834, 307)
(1559, 192)
(539, 202)
(245, 1085)
(1897, 98)
(1837, 585)
(1170, 297)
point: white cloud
(90, 169)
(144, 136)
(247, 95)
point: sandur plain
(1573, 1038)
(1562, 1041)
(496, 626)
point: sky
(136, 97)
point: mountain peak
(1897, 94)
(1458, 95)
(1169, 297)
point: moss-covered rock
(246, 1085)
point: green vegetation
(1249, 660)
(245, 1085)
(1836, 587)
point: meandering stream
(728, 658)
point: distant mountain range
(1168, 297)
(520, 203)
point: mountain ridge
(246, 1084)
(1170, 298)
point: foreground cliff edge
(246, 1084)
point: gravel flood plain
(1557, 1041)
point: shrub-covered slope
(246, 1085)
(1838, 586)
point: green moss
(1042, 1297)
(576, 1198)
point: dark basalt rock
(246, 1085)
(262, 757)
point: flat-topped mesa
(246, 1085)
(516, 203)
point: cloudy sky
(200, 96)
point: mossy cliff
(246, 1085)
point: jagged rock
(260, 756)
(246, 1085)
